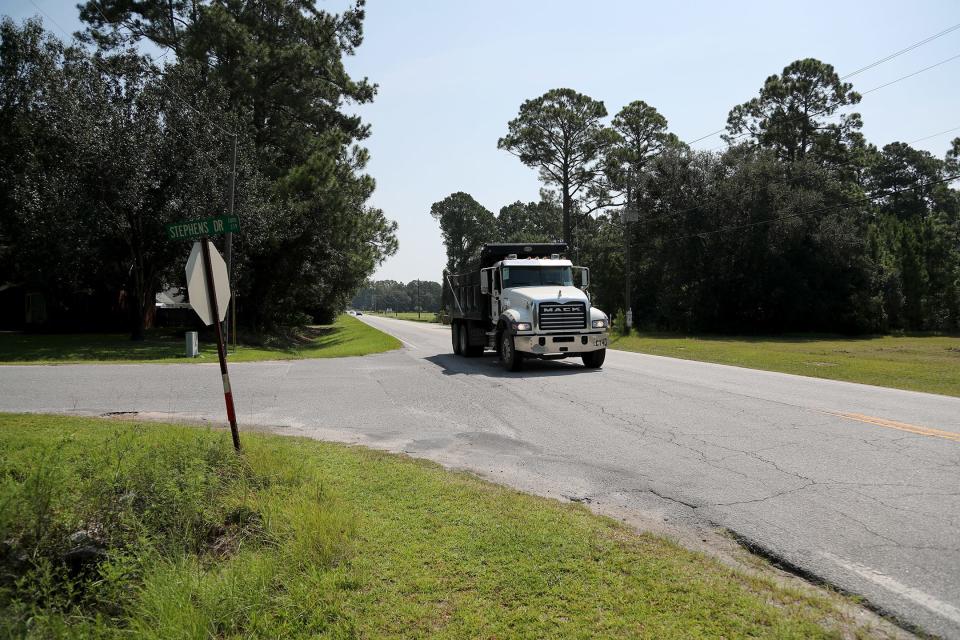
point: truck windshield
(537, 276)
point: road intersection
(852, 484)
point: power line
(877, 88)
(901, 52)
(813, 115)
(934, 135)
(709, 135)
(910, 75)
(847, 205)
(865, 68)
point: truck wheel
(594, 359)
(455, 336)
(512, 359)
(465, 340)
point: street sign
(197, 284)
(630, 215)
(204, 227)
(209, 289)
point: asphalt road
(857, 485)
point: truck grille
(555, 316)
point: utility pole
(627, 214)
(418, 298)
(228, 250)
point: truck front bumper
(559, 345)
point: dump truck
(521, 301)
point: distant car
(359, 313)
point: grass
(425, 316)
(346, 337)
(299, 538)
(915, 363)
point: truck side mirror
(584, 277)
(484, 284)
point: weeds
(94, 529)
(114, 530)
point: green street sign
(194, 229)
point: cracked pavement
(871, 509)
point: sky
(452, 74)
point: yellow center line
(902, 426)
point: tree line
(380, 295)
(797, 224)
(103, 146)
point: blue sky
(451, 74)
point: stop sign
(197, 284)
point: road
(856, 485)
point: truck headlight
(599, 324)
(522, 326)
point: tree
(465, 226)
(603, 253)
(41, 84)
(530, 222)
(561, 134)
(895, 173)
(110, 158)
(641, 134)
(390, 294)
(310, 240)
(790, 115)
(952, 158)
(914, 238)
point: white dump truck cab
(531, 305)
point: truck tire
(594, 359)
(511, 359)
(455, 336)
(466, 349)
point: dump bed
(494, 252)
(467, 302)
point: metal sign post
(208, 288)
(221, 350)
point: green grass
(425, 316)
(916, 363)
(299, 538)
(346, 337)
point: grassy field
(917, 363)
(114, 528)
(425, 316)
(346, 337)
